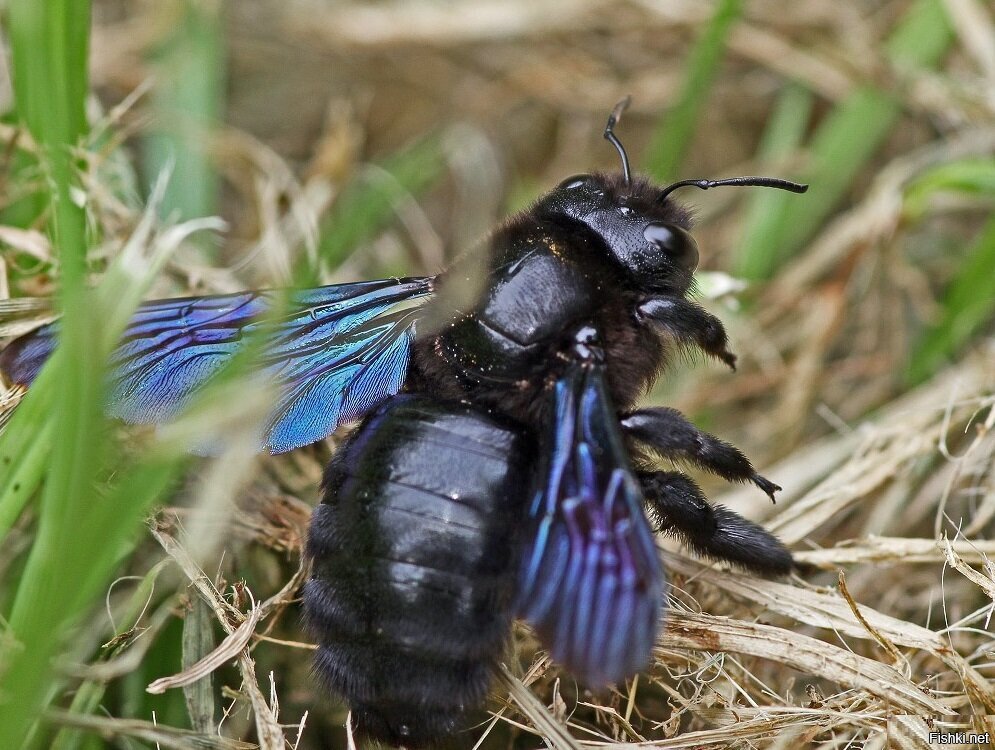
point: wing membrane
(591, 582)
(335, 353)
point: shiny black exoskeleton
(415, 563)
(450, 511)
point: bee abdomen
(414, 560)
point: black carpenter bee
(491, 476)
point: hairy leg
(678, 506)
(689, 324)
(668, 433)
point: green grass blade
(844, 142)
(104, 532)
(49, 49)
(27, 460)
(27, 200)
(25, 447)
(187, 101)
(968, 304)
(88, 696)
(86, 524)
(198, 642)
(781, 139)
(49, 45)
(847, 138)
(673, 138)
(367, 203)
(84, 527)
(967, 176)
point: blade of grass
(187, 101)
(27, 200)
(968, 176)
(781, 139)
(100, 522)
(27, 461)
(61, 30)
(366, 204)
(25, 444)
(198, 642)
(104, 533)
(130, 499)
(88, 696)
(82, 531)
(49, 45)
(969, 302)
(673, 137)
(162, 658)
(847, 138)
(25, 447)
(969, 299)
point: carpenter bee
(500, 469)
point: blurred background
(347, 141)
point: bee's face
(645, 234)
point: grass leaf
(366, 204)
(968, 303)
(781, 139)
(844, 142)
(673, 137)
(187, 101)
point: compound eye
(679, 246)
(577, 181)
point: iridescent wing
(333, 355)
(591, 580)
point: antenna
(772, 182)
(613, 120)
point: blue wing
(591, 580)
(336, 353)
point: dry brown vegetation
(883, 635)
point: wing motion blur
(335, 353)
(591, 580)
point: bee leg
(677, 506)
(688, 323)
(668, 434)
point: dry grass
(883, 634)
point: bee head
(649, 238)
(644, 230)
